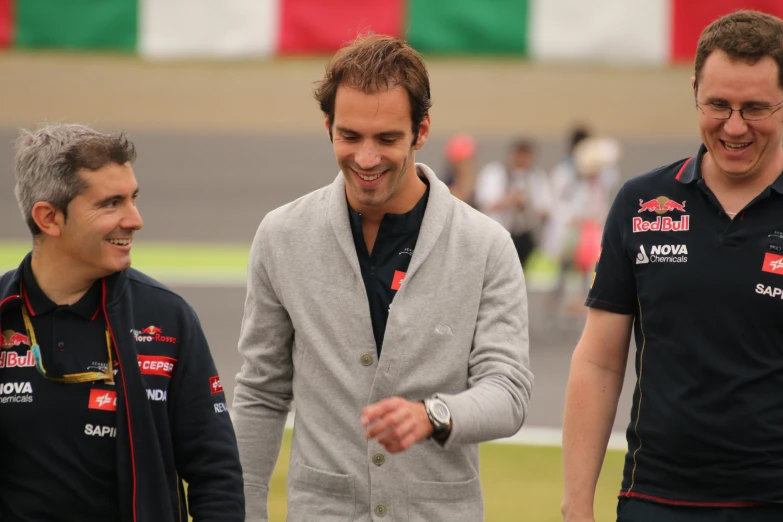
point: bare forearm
(591, 404)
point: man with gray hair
(109, 397)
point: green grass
(168, 262)
(164, 255)
(519, 483)
(217, 263)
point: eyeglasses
(719, 111)
(69, 378)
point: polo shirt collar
(38, 303)
(397, 224)
(691, 171)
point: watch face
(440, 412)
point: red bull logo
(151, 330)
(11, 359)
(660, 205)
(12, 338)
(662, 224)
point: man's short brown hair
(743, 35)
(373, 63)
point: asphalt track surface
(215, 188)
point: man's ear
(48, 218)
(424, 132)
(328, 125)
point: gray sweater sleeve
(499, 378)
(263, 392)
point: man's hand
(396, 423)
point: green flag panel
(77, 24)
(468, 26)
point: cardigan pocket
(319, 495)
(445, 501)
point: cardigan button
(378, 459)
(366, 359)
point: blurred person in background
(460, 172)
(516, 194)
(692, 261)
(109, 397)
(564, 181)
(564, 173)
(584, 213)
(581, 186)
(398, 371)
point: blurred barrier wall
(617, 31)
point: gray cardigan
(457, 327)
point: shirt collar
(38, 303)
(777, 185)
(690, 171)
(395, 224)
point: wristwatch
(439, 415)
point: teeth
(736, 146)
(120, 242)
(369, 178)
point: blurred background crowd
(557, 214)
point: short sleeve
(614, 285)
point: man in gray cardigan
(394, 314)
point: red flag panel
(324, 26)
(5, 23)
(690, 17)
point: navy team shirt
(706, 293)
(58, 458)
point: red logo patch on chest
(157, 365)
(773, 263)
(105, 400)
(399, 278)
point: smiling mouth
(735, 146)
(369, 177)
(120, 242)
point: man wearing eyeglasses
(692, 259)
(109, 397)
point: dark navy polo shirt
(58, 458)
(706, 293)
(384, 271)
